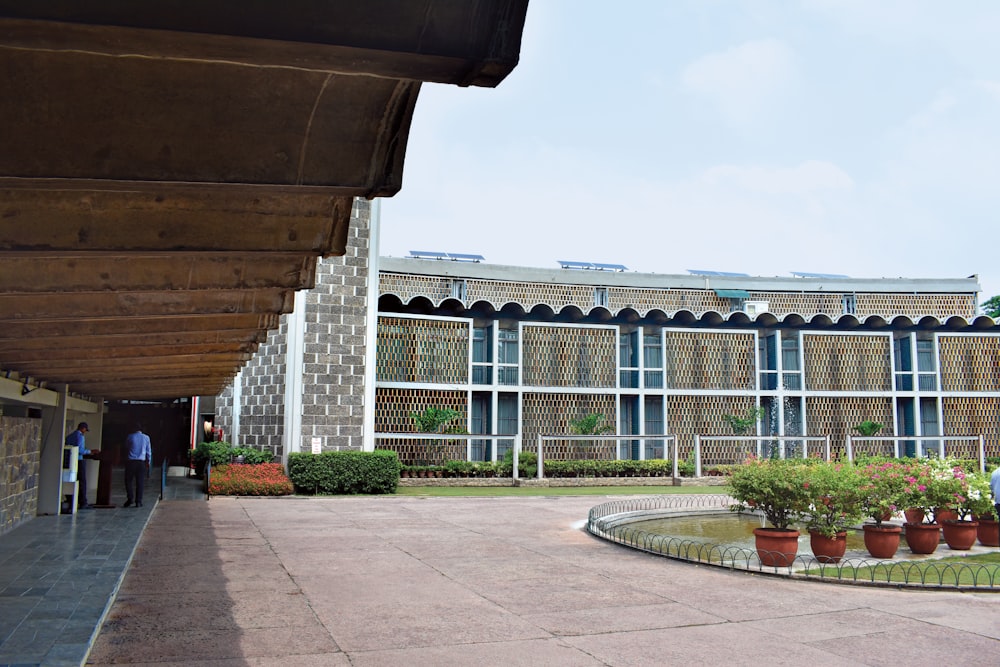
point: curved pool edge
(609, 521)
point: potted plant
(881, 489)
(834, 506)
(973, 500)
(778, 489)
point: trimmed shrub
(345, 472)
(263, 479)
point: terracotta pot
(776, 547)
(828, 549)
(882, 541)
(942, 515)
(914, 515)
(960, 535)
(989, 532)
(923, 538)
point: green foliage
(590, 425)
(344, 472)
(886, 487)
(216, 452)
(434, 420)
(834, 498)
(743, 425)
(776, 487)
(991, 307)
(869, 428)
(527, 464)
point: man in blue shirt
(75, 439)
(995, 487)
(140, 454)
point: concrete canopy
(170, 172)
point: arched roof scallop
(512, 310)
(712, 318)
(956, 322)
(684, 317)
(629, 315)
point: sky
(857, 137)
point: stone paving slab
(491, 581)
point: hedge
(345, 472)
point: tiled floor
(59, 574)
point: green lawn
(498, 491)
(971, 570)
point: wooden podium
(104, 476)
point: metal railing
(611, 521)
(469, 439)
(939, 440)
(739, 454)
(620, 438)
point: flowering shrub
(834, 498)
(882, 489)
(264, 479)
(778, 488)
(978, 501)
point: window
(850, 304)
(458, 289)
(601, 296)
(652, 353)
(507, 356)
(767, 352)
(903, 357)
(791, 376)
(628, 359)
(482, 368)
(926, 365)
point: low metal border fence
(610, 521)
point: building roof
(171, 172)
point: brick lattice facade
(333, 360)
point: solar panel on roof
(702, 272)
(611, 267)
(453, 256)
(465, 257)
(806, 274)
(592, 266)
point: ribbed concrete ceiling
(170, 172)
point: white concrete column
(371, 326)
(295, 342)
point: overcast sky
(858, 137)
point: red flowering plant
(834, 498)
(263, 479)
(953, 488)
(946, 489)
(777, 488)
(881, 488)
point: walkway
(59, 574)
(489, 581)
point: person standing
(76, 439)
(140, 454)
(995, 487)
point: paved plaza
(489, 581)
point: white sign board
(317, 445)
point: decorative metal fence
(441, 447)
(639, 447)
(736, 448)
(957, 446)
(611, 521)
